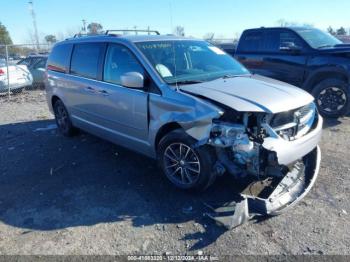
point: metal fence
(22, 68)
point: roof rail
(79, 35)
(135, 31)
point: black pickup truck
(305, 57)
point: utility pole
(31, 9)
(171, 17)
(84, 26)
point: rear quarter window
(25, 61)
(251, 42)
(59, 58)
(41, 63)
(85, 59)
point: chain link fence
(22, 68)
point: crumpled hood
(251, 94)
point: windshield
(317, 38)
(190, 61)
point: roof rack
(109, 32)
(135, 31)
(80, 35)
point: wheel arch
(54, 98)
(165, 129)
(323, 74)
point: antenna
(84, 26)
(31, 9)
(171, 16)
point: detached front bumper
(293, 187)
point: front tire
(62, 118)
(332, 97)
(187, 167)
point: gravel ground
(83, 195)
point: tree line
(338, 32)
(96, 28)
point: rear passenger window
(25, 61)
(291, 38)
(251, 42)
(41, 63)
(85, 59)
(59, 58)
(272, 41)
(119, 60)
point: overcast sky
(224, 17)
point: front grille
(294, 123)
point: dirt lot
(86, 196)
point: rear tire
(17, 90)
(62, 118)
(185, 166)
(332, 97)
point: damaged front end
(276, 155)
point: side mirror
(289, 47)
(132, 79)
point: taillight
(2, 72)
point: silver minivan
(192, 107)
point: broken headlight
(240, 149)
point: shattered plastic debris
(48, 128)
(145, 245)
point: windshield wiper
(187, 82)
(227, 76)
(230, 76)
(324, 46)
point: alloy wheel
(62, 117)
(181, 164)
(331, 99)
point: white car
(19, 77)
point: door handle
(103, 92)
(90, 89)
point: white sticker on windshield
(217, 50)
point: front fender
(192, 114)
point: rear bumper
(13, 86)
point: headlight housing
(225, 134)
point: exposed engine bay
(242, 151)
(240, 146)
